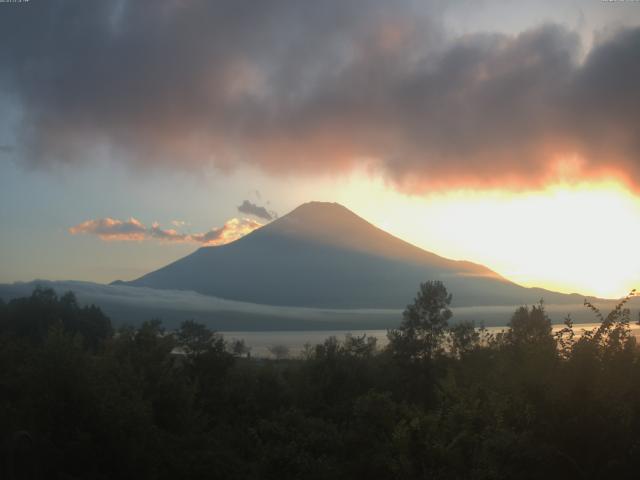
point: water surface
(295, 341)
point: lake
(260, 342)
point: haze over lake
(295, 341)
(133, 305)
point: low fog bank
(133, 305)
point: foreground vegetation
(443, 400)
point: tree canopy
(441, 400)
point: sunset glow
(333, 239)
(503, 135)
(573, 239)
(581, 237)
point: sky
(505, 133)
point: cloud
(232, 230)
(321, 87)
(111, 229)
(250, 208)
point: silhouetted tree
(279, 352)
(464, 337)
(424, 324)
(32, 317)
(239, 348)
(360, 346)
(442, 402)
(530, 327)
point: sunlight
(581, 237)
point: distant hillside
(323, 255)
(133, 305)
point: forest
(80, 399)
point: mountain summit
(333, 224)
(324, 255)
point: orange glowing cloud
(110, 229)
(231, 231)
(392, 90)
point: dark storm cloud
(295, 86)
(250, 208)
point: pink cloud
(111, 229)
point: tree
(206, 362)
(32, 317)
(280, 352)
(239, 348)
(195, 338)
(88, 321)
(463, 338)
(362, 347)
(421, 333)
(530, 326)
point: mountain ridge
(315, 208)
(323, 255)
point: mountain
(325, 256)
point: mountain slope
(324, 255)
